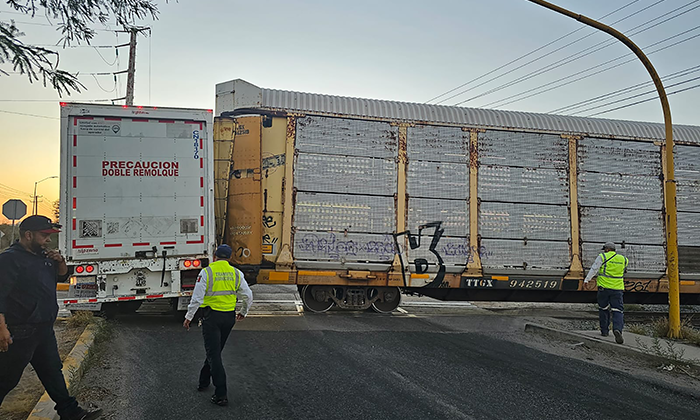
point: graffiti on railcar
(421, 264)
(638, 286)
(335, 247)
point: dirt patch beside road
(21, 400)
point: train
(358, 201)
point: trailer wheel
(317, 298)
(128, 308)
(109, 310)
(389, 301)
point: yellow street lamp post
(674, 313)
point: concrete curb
(43, 410)
(601, 344)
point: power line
(545, 56)
(14, 190)
(29, 115)
(55, 26)
(577, 56)
(21, 13)
(525, 55)
(52, 100)
(73, 46)
(504, 101)
(643, 101)
(634, 96)
(116, 52)
(619, 92)
(105, 90)
(77, 74)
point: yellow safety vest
(611, 273)
(222, 282)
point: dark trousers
(610, 305)
(36, 344)
(216, 327)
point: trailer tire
(129, 308)
(109, 310)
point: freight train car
(358, 200)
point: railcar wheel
(389, 301)
(317, 298)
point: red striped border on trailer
(169, 243)
(200, 241)
(123, 298)
(113, 119)
(76, 246)
(141, 244)
(195, 123)
(112, 245)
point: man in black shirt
(28, 309)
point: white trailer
(136, 203)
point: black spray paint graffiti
(269, 222)
(414, 241)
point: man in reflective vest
(215, 295)
(610, 268)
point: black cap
(223, 251)
(38, 223)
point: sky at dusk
(407, 51)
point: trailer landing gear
(322, 298)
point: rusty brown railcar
(357, 200)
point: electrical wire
(634, 96)
(73, 46)
(78, 74)
(577, 56)
(103, 59)
(619, 92)
(103, 89)
(525, 55)
(504, 101)
(28, 115)
(549, 54)
(642, 101)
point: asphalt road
(347, 366)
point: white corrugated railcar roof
(238, 95)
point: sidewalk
(659, 349)
(667, 348)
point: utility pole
(131, 71)
(132, 68)
(674, 311)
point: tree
(75, 20)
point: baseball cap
(37, 223)
(609, 245)
(223, 251)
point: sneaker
(618, 336)
(222, 401)
(201, 388)
(604, 334)
(86, 415)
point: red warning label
(140, 168)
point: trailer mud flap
(183, 302)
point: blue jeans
(36, 344)
(610, 305)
